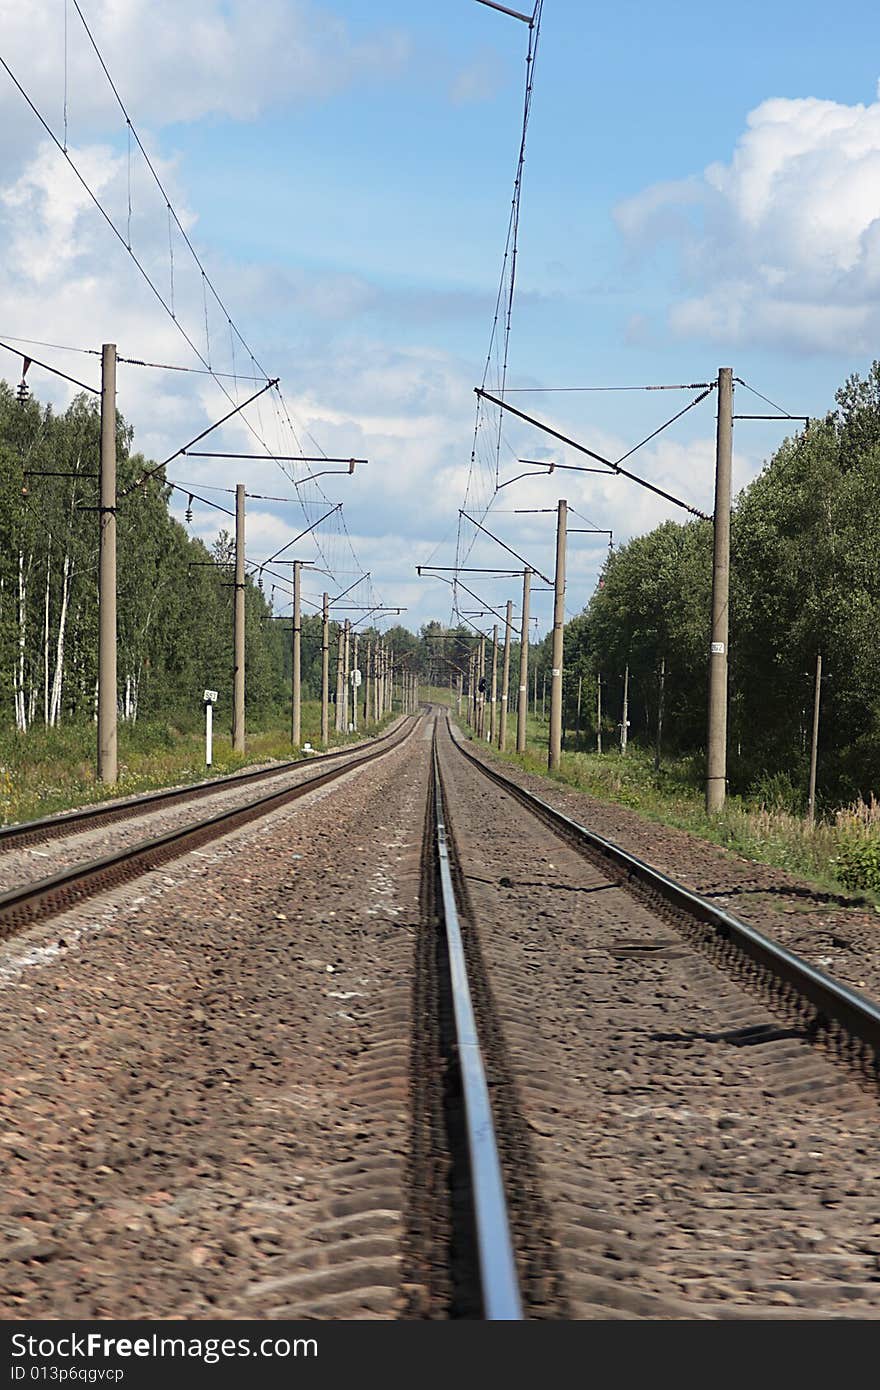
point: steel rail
(34, 832)
(832, 999)
(36, 901)
(498, 1278)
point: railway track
(685, 1111)
(428, 1058)
(34, 901)
(36, 832)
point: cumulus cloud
(782, 243)
(181, 62)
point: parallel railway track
(515, 1089)
(32, 902)
(833, 1007)
(677, 1135)
(36, 832)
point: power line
(508, 281)
(130, 361)
(171, 210)
(206, 280)
(690, 386)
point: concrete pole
(296, 715)
(238, 740)
(716, 739)
(460, 692)
(340, 676)
(325, 671)
(555, 749)
(493, 708)
(383, 681)
(599, 713)
(472, 687)
(108, 760)
(346, 674)
(578, 726)
(661, 701)
(814, 748)
(624, 723)
(367, 660)
(522, 707)
(380, 682)
(505, 679)
(355, 697)
(481, 694)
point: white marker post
(356, 680)
(210, 698)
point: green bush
(858, 862)
(777, 792)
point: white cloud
(478, 81)
(180, 62)
(782, 244)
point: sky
(701, 189)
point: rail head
(498, 1277)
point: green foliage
(858, 862)
(805, 578)
(174, 603)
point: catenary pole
(624, 722)
(555, 749)
(296, 713)
(661, 702)
(493, 707)
(340, 675)
(325, 671)
(108, 760)
(716, 740)
(355, 696)
(238, 739)
(505, 679)
(814, 747)
(346, 675)
(522, 707)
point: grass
(49, 770)
(840, 852)
(435, 694)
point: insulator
(260, 581)
(189, 510)
(22, 392)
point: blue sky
(701, 189)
